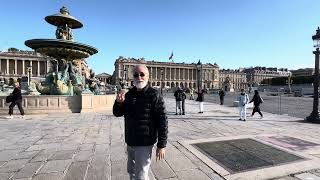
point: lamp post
(199, 74)
(289, 82)
(29, 68)
(314, 116)
(161, 80)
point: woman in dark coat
(200, 98)
(16, 100)
(257, 100)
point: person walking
(243, 99)
(200, 98)
(16, 100)
(145, 122)
(221, 95)
(257, 100)
(184, 96)
(178, 94)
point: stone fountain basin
(46, 104)
(61, 49)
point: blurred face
(16, 84)
(140, 77)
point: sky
(232, 33)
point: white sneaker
(9, 117)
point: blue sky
(232, 33)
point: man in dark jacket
(221, 95)
(145, 123)
(178, 94)
(16, 100)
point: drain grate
(245, 154)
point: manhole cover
(244, 154)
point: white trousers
(243, 112)
(201, 106)
(139, 161)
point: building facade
(256, 75)
(303, 72)
(232, 80)
(104, 77)
(168, 74)
(16, 63)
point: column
(165, 73)
(15, 67)
(38, 68)
(23, 68)
(7, 71)
(0, 67)
(31, 66)
(156, 73)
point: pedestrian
(243, 99)
(145, 122)
(257, 100)
(221, 95)
(178, 94)
(16, 100)
(200, 98)
(191, 94)
(183, 102)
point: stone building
(16, 63)
(169, 74)
(303, 72)
(232, 80)
(104, 77)
(256, 75)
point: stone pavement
(91, 146)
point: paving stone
(83, 156)
(55, 166)
(192, 174)
(43, 146)
(286, 178)
(120, 177)
(98, 168)
(61, 155)
(76, 171)
(307, 176)
(4, 176)
(180, 163)
(49, 176)
(43, 155)
(161, 170)
(6, 155)
(26, 155)
(28, 170)
(86, 147)
(13, 165)
(119, 168)
(101, 149)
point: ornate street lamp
(199, 65)
(161, 80)
(314, 116)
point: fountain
(66, 78)
(65, 89)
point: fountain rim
(45, 43)
(72, 22)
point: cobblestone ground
(91, 146)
